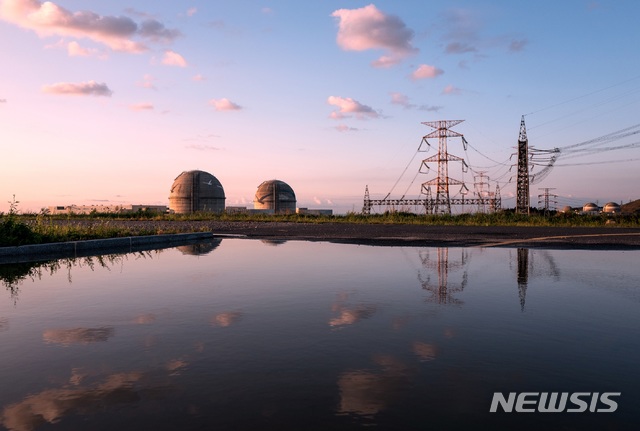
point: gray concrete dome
(275, 195)
(194, 191)
(611, 208)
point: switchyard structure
(442, 202)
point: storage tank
(194, 191)
(275, 195)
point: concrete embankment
(38, 252)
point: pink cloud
(347, 106)
(192, 11)
(75, 50)
(172, 58)
(344, 128)
(224, 105)
(450, 89)
(147, 82)
(141, 107)
(369, 28)
(199, 77)
(425, 71)
(403, 100)
(116, 32)
(89, 88)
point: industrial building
(105, 209)
(277, 196)
(194, 191)
(611, 208)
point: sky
(108, 102)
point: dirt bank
(402, 234)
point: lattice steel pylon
(442, 204)
(522, 184)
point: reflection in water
(14, 274)
(244, 345)
(66, 337)
(227, 318)
(367, 393)
(426, 352)
(273, 242)
(51, 405)
(200, 249)
(442, 292)
(348, 315)
(145, 319)
(527, 268)
(523, 275)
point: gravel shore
(609, 238)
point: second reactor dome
(275, 195)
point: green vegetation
(20, 229)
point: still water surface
(251, 335)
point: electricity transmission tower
(545, 198)
(522, 184)
(442, 204)
(481, 192)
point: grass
(21, 229)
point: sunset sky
(108, 102)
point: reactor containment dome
(277, 196)
(194, 191)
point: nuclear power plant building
(194, 191)
(277, 196)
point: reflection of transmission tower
(442, 131)
(442, 293)
(523, 275)
(522, 185)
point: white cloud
(172, 58)
(425, 71)
(116, 32)
(224, 105)
(89, 88)
(141, 107)
(347, 106)
(369, 28)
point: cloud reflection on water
(66, 337)
(227, 318)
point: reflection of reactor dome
(196, 191)
(275, 195)
(590, 207)
(201, 248)
(611, 208)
